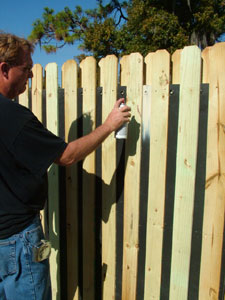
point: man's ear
(4, 69)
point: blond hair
(11, 48)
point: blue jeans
(20, 277)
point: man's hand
(80, 148)
(118, 116)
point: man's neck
(5, 92)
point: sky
(17, 17)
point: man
(27, 149)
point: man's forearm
(80, 148)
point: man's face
(19, 75)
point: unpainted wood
(132, 77)
(158, 65)
(53, 204)
(36, 91)
(108, 82)
(148, 63)
(37, 105)
(176, 66)
(88, 83)
(190, 75)
(70, 75)
(24, 97)
(213, 223)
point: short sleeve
(36, 148)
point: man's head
(15, 64)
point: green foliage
(122, 27)
(153, 28)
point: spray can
(121, 133)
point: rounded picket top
(176, 57)
(206, 65)
(37, 71)
(36, 90)
(162, 52)
(51, 66)
(37, 67)
(86, 60)
(149, 57)
(191, 50)
(69, 73)
(108, 58)
(88, 73)
(220, 45)
(69, 62)
(132, 56)
(109, 78)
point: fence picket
(88, 83)
(37, 105)
(53, 177)
(23, 98)
(108, 82)
(69, 83)
(36, 91)
(190, 70)
(176, 66)
(158, 64)
(132, 77)
(213, 224)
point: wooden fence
(142, 218)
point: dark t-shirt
(27, 149)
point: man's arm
(80, 148)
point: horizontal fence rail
(141, 218)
